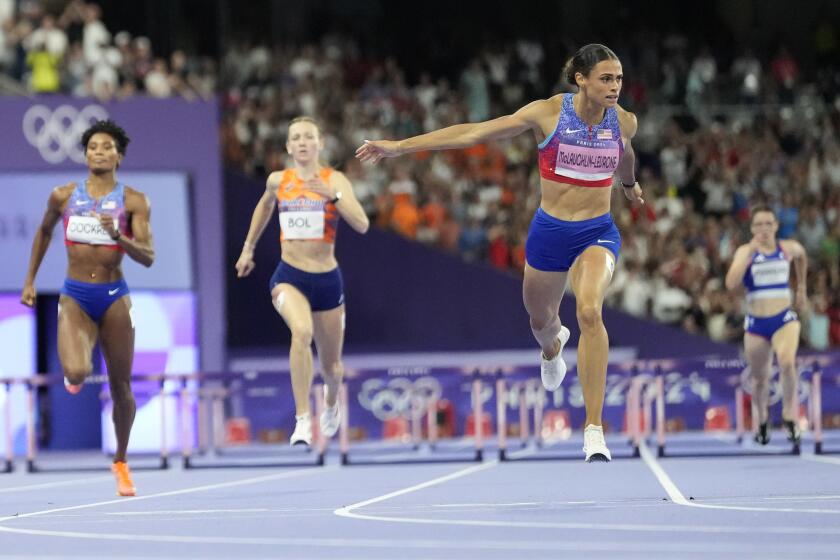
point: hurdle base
(502, 455)
(818, 450)
(660, 451)
(8, 467)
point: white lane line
(190, 511)
(55, 484)
(782, 550)
(821, 459)
(347, 511)
(678, 498)
(660, 474)
(802, 498)
(231, 484)
(492, 505)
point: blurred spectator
(705, 156)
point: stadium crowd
(716, 136)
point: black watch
(116, 237)
(337, 197)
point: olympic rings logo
(399, 396)
(57, 133)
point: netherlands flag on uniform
(604, 134)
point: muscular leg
(760, 357)
(542, 292)
(117, 340)
(293, 306)
(329, 339)
(77, 335)
(785, 342)
(590, 276)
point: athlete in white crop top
(103, 220)
(763, 266)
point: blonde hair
(305, 119)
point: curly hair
(110, 128)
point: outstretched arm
(43, 236)
(457, 136)
(262, 214)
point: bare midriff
(94, 264)
(309, 255)
(573, 203)
(768, 307)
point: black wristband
(117, 237)
(628, 186)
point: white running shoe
(554, 370)
(303, 430)
(330, 420)
(594, 445)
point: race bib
(770, 273)
(87, 229)
(302, 224)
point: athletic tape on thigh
(610, 264)
(279, 301)
(343, 320)
(131, 316)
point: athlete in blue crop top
(103, 219)
(762, 266)
(584, 140)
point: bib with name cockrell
(81, 224)
(305, 215)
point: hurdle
(646, 400)
(209, 404)
(815, 411)
(417, 452)
(534, 446)
(32, 384)
(9, 463)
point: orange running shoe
(72, 389)
(125, 487)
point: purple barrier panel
(41, 134)
(380, 397)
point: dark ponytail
(585, 60)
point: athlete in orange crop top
(307, 289)
(584, 140)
